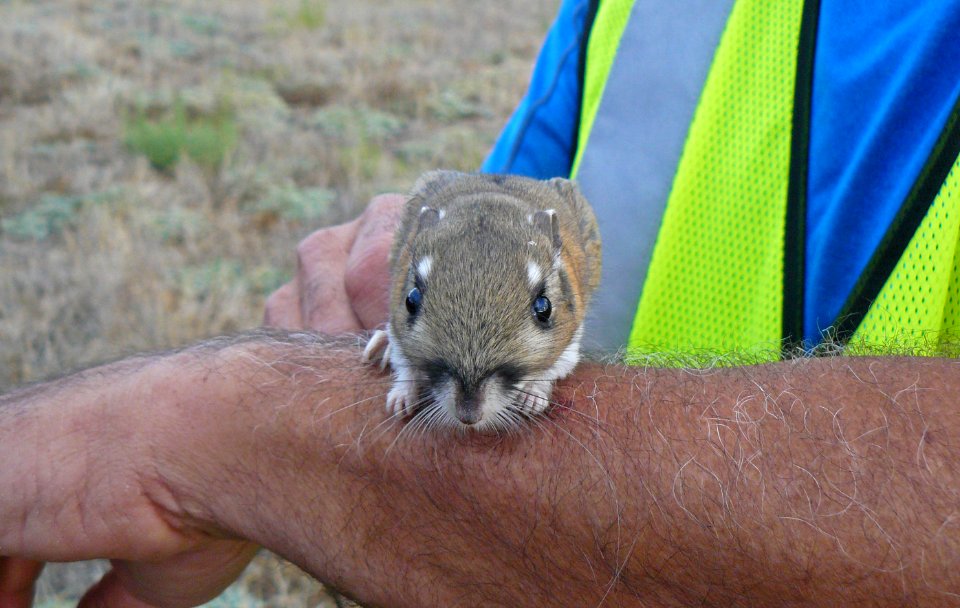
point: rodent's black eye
(414, 297)
(542, 309)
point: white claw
(377, 349)
(534, 396)
(403, 396)
(397, 402)
(385, 359)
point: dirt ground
(159, 159)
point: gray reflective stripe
(635, 144)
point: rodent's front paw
(402, 399)
(533, 396)
(378, 349)
(399, 401)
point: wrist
(242, 444)
(84, 435)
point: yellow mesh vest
(716, 275)
(717, 279)
(918, 308)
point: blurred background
(160, 159)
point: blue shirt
(886, 78)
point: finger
(321, 260)
(367, 278)
(188, 579)
(17, 578)
(109, 592)
(282, 309)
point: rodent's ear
(586, 226)
(428, 218)
(566, 187)
(432, 182)
(546, 222)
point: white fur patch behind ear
(424, 266)
(534, 274)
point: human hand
(341, 285)
(187, 578)
(343, 276)
(81, 496)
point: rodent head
(483, 301)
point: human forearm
(812, 482)
(296, 452)
(808, 482)
(815, 482)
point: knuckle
(355, 282)
(384, 205)
(271, 304)
(305, 247)
(276, 303)
(367, 264)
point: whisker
(562, 406)
(435, 420)
(406, 428)
(393, 417)
(384, 424)
(347, 407)
(422, 412)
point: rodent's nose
(468, 417)
(468, 410)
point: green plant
(208, 141)
(265, 279)
(207, 25)
(294, 204)
(211, 276)
(450, 106)
(310, 14)
(353, 123)
(160, 141)
(205, 138)
(361, 134)
(48, 216)
(176, 224)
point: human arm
(340, 285)
(811, 482)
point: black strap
(904, 226)
(588, 19)
(795, 235)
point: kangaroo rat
(491, 278)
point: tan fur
(476, 316)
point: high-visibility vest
(723, 268)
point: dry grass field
(159, 159)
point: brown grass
(101, 254)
